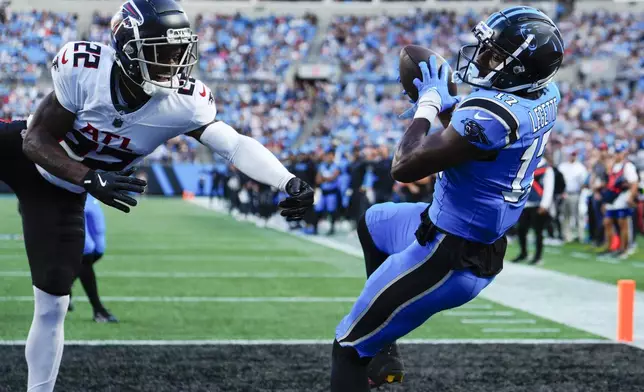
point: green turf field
(581, 260)
(173, 270)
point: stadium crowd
(274, 114)
(352, 143)
(239, 47)
(367, 47)
(28, 42)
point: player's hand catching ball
(299, 200)
(112, 188)
(433, 90)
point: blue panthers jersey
(481, 200)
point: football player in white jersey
(111, 106)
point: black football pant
(53, 220)
(530, 218)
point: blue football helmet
(155, 45)
(519, 49)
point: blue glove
(409, 113)
(434, 81)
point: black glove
(300, 199)
(112, 188)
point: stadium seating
(238, 47)
(28, 42)
(367, 47)
(602, 34)
(361, 110)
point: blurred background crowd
(340, 132)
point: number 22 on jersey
(521, 185)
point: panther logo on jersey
(474, 132)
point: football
(410, 56)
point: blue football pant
(94, 227)
(328, 202)
(414, 283)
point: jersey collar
(114, 75)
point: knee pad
(48, 307)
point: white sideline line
(498, 321)
(201, 299)
(476, 306)
(191, 275)
(157, 259)
(296, 342)
(607, 260)
(464, 313)
(521, 330)
(28, 298)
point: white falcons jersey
(105, 138)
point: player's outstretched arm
(419, 155)
(50, 123)
(257, 162)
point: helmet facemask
(159, 64)
(486, 62)
(164, 62)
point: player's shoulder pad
(76, 57)
(73, 68)
(200, 99)
(496, 104)
(486, 122)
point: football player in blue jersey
(327, 181)
(422, 259)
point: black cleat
(104, 316)
(386, 367)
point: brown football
(410, 56)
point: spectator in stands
(620, 195)
(575, 175)
(239, 47)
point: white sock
(46, 340)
